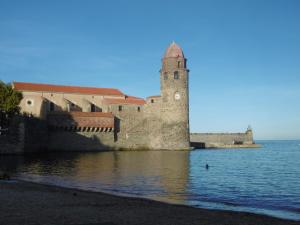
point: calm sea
(265, 180)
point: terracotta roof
(81, 119)
(173, 51)
(127, 101)
(22, 86)
(92, 114)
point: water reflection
(261, 181)
(154, 174)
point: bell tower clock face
(177, 96)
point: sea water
(264, 180)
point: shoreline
(25, 202)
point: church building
(89, 118)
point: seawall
(223, 140)
(29, 134)
(24, 135)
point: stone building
(87, 118)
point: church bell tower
(174, 79)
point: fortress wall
(221, 139)
(153, 122)
(130, 127)
(12, 141)
(80, 141)
(25, 134)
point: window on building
(152, 100)
(139, 109)
(178, 64)
(29, 102)
(52, 106)
(93, 108)
(176, 75)
(120, 108)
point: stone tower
(174, 79)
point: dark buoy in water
(207, 166)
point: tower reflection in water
(161, 175)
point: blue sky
(243, 56)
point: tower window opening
(120, 108)
(176, 75)
(178, 64)
(138, 109)
(152, 100)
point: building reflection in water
(161, 175)
(155, 174)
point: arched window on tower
(178, 64)
(176, 75)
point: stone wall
(174, 79)
(25, 134)
(131, 131)
(211, 140)
(80, 141)
(12, 141)
(38, 103)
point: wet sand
(24, 203)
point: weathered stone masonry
(75, 118)
(223, 140)
(81, 118)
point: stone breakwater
(223, 140)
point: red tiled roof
(22, 86)
(83, 114)
(81, 119)
(128, 100)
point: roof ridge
(27, 86)
(59, 85)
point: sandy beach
(30, 203)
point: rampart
(223, 140)
(24, 135)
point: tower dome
(173, 51)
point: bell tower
(174, 80)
